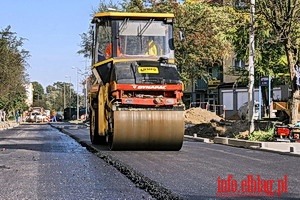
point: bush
(262, 136)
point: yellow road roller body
(136, 99)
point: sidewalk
(7, 125)
(278, 147)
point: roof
(122, 15)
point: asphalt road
(39, 162)
(193, 172)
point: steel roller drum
(148, 130)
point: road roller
(135, 100)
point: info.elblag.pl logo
(252, 185)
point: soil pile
(208, 124)
(199, 116)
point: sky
(52, 30)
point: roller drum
(148, 130)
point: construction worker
(151, 48)
(108, 51)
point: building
(29, 94)
(206, 93)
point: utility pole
(77, 97)
(70, 110)
(251, 68)
(84, 83)
(86, 98)
(64, 95)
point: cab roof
(131, 15)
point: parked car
(46, 118)
(35, 117)
(59, 117)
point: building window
(242, 3)
(238, 65)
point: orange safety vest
(108, 51)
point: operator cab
(128, 35)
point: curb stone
(292, 149)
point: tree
(270, 57)
(207, 29)
(283, 16)
(12, 71)
(38, 91)
(58, 94)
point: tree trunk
(294, 107)
(295, 92)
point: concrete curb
(292, 149)
(282, 148)
(200, 139)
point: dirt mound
(208, 124)
(199, 116)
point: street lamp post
(86, 98)
(85, 82)
(64, 95)
(85, 88)
(70, 112)
(77, 98)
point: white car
(35, 117)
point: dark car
(59, 117)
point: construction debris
(208, 124)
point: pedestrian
(54, 116)
(4, 115)
(1, 116)
(17, 116)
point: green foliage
(214, 32)
(208, 31)
(134, 5)
(86, 43)
(38, 91)
(59, 96)
(13, 75)
(262, 136)
(270, 55)
(282, 18)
